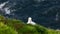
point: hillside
(14, 26)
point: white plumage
(30, 21)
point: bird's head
(29, 18)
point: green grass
(13, 26)
(4, 29)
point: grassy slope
(23, 28)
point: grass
(13, 26)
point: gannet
(30, 21)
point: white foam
(39, 0)
(7, 10)
(56, 17)
(3, 4)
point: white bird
(30, 21)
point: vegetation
(13, 26)
(4, 29)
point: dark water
(46, 13)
